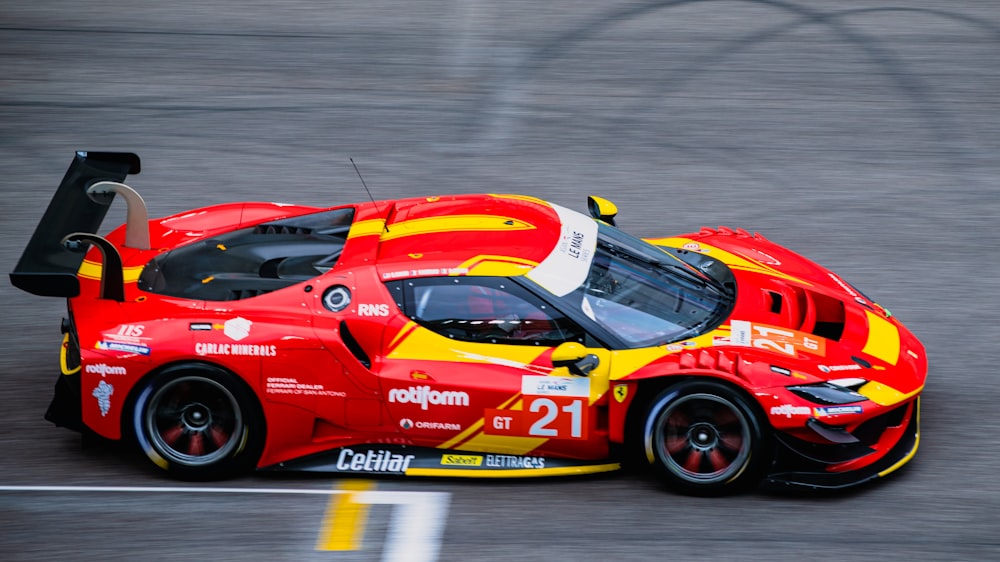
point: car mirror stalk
(574, 356)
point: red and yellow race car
(471, 335)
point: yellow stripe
(913, 451)
(507, 403)
(343, 524)
(462, 436)
(423, 344)
(92, 270)
(455, 223)
(528, 198)
(627, 361)
(885, 395)
(497, 266)
(732, 260)
(366, 228)
(478, 425)
(508, 444)
(883, 339)
(513, 473)
(62, 358)
(402, 332)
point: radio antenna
(360, 177)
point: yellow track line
(343, 524)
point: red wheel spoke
(717, 460)
(171, 435)
(679, 419)
(703, 437)
(676, 443)
(196, 445)
(218, 436)
(194, 421)
(733, 442)
(693, 462)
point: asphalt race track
(865, 135)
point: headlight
(827, 393)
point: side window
(486, 309)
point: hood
(806, 316)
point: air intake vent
(775, 302)
(353, 346)
(810, 312)
(830, 316)
(281, 229)
(819, 314)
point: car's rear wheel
(198, 422)
(704, 438)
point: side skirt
(402, 460)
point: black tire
(198, 422)
(705, 438)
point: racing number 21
(550, 424)
(548, 417)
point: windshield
(645, 296)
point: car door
(472, 370)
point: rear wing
(48, 265)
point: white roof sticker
(566, 267)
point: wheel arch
(749, 434)
(649, 388)
(180, 364)
(180, 367)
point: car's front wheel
(705, 438)
(198, 422)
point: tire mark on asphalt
(500, 109)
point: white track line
(170, 489)
(416, 527)
(414, 532)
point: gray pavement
(863, 134)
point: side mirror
(574, 357)
(602, 209)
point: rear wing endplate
(47, 267)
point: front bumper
(817, 469)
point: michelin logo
(838, 410)
(123, 347)
(103, 392)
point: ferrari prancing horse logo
(621, 391)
